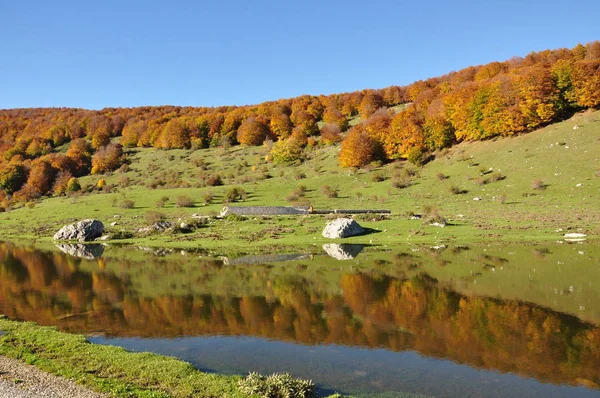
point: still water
(488, 320)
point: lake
(489, 320)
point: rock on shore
(342, 228)
(83, 231)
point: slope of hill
(43, 151)
(536, 186)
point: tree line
(44, 150)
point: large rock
(342, 228)
(82, 231)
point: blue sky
(94, 54)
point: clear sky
(98, 53)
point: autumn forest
(43, 151)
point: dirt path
(18, 380)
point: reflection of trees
(371, 310)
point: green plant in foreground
(278, 385)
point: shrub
(496, 176)
(127, 204)
(538, 185)
(208, 197)
(377, 178)
(299, 175)
(441, 176)
(454, 189)
(73, 185)
(152, 217)
(401, 180)
(161, 202)
(235, 194)
(184, 201)
(431, 215)
(329, 192)
(122, 235)
(502, 199)
(214, 181)
(281, 385)
(124, 181)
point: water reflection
(342, 251)
(89, 252)
(388, 302)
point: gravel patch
(19, 380)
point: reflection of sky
(348, 370)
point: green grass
(110, 369)
(567, 161)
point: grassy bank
(111, 369)
(533, 187)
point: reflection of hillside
(367, 310)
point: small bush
(454, 189)
(152, 217)
(235, 194)
(214, 181)
(277, 386)
(496, 176)
(401, 181)
(501, 199)
(208, 197)
(184, 201)
(122, 235)
(299, 175)
(161, 202)
(377, 178)
(124, 181)
(127, 204)
(330, 192)
(431, 215)
(73, 185)
(538, 185)
(441, 176)
(300, 190)
(292, 197)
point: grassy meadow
(536, 186)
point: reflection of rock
(342, 228)
(89, 252)
(342, 251)
(271, 258)
(82, 231)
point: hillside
(534, 186)
(43, 152)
